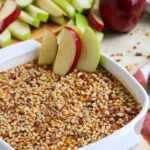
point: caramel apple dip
(43, 111)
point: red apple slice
(68, 52)
(9, 13)
(94, 17)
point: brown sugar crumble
(40, 110)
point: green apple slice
(48, 49)
(81, 22)
(25, 17)
(23, 3)
(58, 20)
(81, 5)
(90, 53)
(91, 1)
(37, 13)
(5, 38)
(20, 30)
(100, 36)
(50, 7)
(70, 22)
(67, 7)
(77, 30)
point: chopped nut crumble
(42, 111)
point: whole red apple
(121, 15)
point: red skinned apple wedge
(94, 17)
(69, 51)
(9, 13)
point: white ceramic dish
(124, 139)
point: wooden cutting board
(37, 33)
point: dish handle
(120, 140)
(127, 141)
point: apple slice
(81, 5)
(94, 17)
(58, 20)
(20, 30)
(69, 23)
(79, 32)
(91, 1)
(68, 52)
(9, 13)
(100, 36)
(81, 22)
(37, 13)
(23, 3)
(67, 7)
(90, 53)
(48, 49)
(50, 7)
(5, 38)
(25, 17)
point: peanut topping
(40, 110)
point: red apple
(9, 13)
(121, 15)
(94, 17)
(68, 54)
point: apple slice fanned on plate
(81, 5)
(37, 13)
(66, 7)
(94, 17)
(20, 30)
(58, 20)
(25, 17)
(50, 7)
(9, 13)
(23, 3)
(68, 52)
(5, 38)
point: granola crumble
(42, 111)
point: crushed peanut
(42, 111)
(130, 50)
(130, 67)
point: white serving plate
(124, 139)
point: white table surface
(120, 43)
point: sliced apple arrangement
(21, 14)
(9, 12)
(74, 50)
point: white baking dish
(124, 139)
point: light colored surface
(115, 42)
(120, 43)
